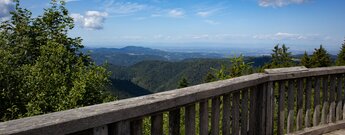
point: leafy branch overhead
(42, 69)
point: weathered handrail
(248, 100)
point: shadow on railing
(287, 100)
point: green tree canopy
(42, 69)
(320, 58)
(341, 56)
(305, 60)
(281, 57)
(237, 68)
(183, 83)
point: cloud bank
(92, 20)
(176, 13)
(279, 3)
(6, 6)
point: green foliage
(237, 68)
(42, 69)
(281, 57)
(209, 78)
(320, 58)
(183, 83)
(305, 60)
(341, 56)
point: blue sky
(234, 23)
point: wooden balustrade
(293, 100)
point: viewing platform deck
(295, 101)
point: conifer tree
(341, 56)
(183, 83)
(281, 57)
(320, 58)
(305, 60)
(210, 77)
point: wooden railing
(280, 101)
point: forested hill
(156, 76)
(131, 55)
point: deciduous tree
(42, 69)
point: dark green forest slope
(157, 76)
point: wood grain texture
(291, 97)
(226, 114)
(190, 120)
(262, 104)
(307, 102)
(253, 111)
(215, 116)
(122, 128)
(281, 108)
(339, 111)
(325, 107)
(244, 112)
(102, 130)
(269, 108)
(174, 122)
(300, 93)
(235, 113)
(286, 70)
(332, 99)
(157, 124)
(316, 114)
(203, 127)
(322, 129)
(137, 127)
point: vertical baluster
(156, 124)
(244, 112)
(253, 111)
(204, 117)
(339, 97)
(325, 100)
(269, 108)
(226, 115)
(300, 93)
(342, 87)
(102, 130)
(262, 108)
(215, 116)
(174, 122)
(122, 128)
(332, 100)
(316, 102)
(235, 113)
(291, 96)
(307, 102)
(136, 127)
(190, 120)
(281, 108)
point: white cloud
(176, 13)
(283, 36)
(209, 12)
(279, 3)
(204, 13)
(211, 22)
(92, 20)
(6, 6)
(71, 0)
(123, 7)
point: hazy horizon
(198, 24)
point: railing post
(174, 122)
(269, 108)
(203, 127)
